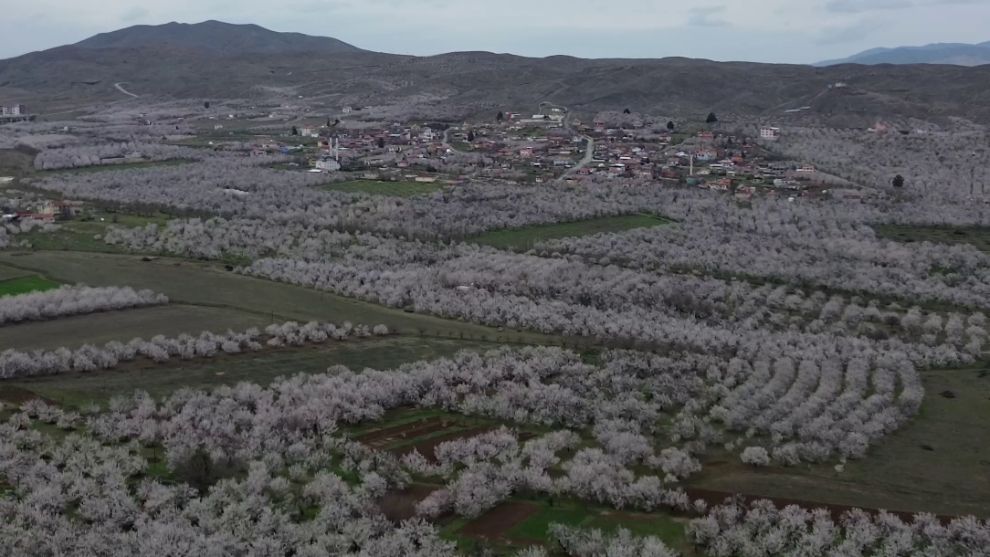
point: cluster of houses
(45, 210)
(546, 147)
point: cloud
(707, 17)
(848, 33)
(134, 14)
(862, 6)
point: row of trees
(74, 300)
(15, 363)
(81, 156)
(761, 528)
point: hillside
(218, 60)
(958, 54)
(216, 37)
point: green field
(86, 234)
(529, 515)
(974, 236)
(525, 238)
(261, 368)
(7, 273)
(100, 328)
(208, 284)
(939, 463)
(119, 166)
(25, 284)
(375, 187)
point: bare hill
(238, 61)
(216, 37)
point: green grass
(85, 234)
(940, 462)
(7, 273)
(579, 514)
(25, 284)
(978, 237)
(118, 166)
(261, 367)
(208, 284)
(375, 187)
(525, 238)
(102, 327)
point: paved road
(589, 155)
(120, 87)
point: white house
(328, 164)
(769, 134)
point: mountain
(216, 37)
(958, 54)
(214, 60)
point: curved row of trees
(74, 300)
(15, 363)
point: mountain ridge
(247, 61)
(959, 54)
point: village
(550, 146)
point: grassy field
(120, 166)
(86, 234)
(262, 368)
(522, 522)
(206, 284)
(525, 238)
(100, 328)
(938, 463)
(25, 284)
(16, 163)
(375, 187)
(7, 273)
(976, 237)
(525, 519)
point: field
(204, 284)
(517, 523)
(85, 234)
(120, 166)
(938, 463)
(24, 284)
(976, 237)
(522, 239)
(395, 189)
(100, 328)
(261, 368)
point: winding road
(120, 87)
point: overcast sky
(797, 31)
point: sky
(787, 31)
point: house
(327, 164)
(526, 152)
(769, 133)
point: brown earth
(496, 522)
(384, 437)
(401, 505)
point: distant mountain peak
(218, 38)
(958, 54)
